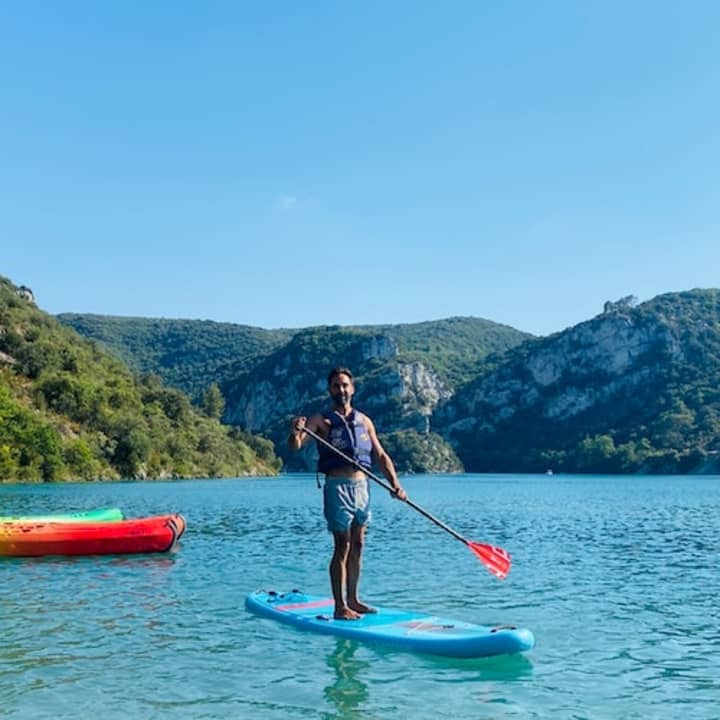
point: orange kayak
(141, 535)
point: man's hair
(339, 371)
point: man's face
(341, 390)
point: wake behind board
(401, 629)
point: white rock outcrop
(569, 373)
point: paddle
(495, 559)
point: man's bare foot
(362, 608)
(345, 613)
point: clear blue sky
(285, 164)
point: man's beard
(341, 399)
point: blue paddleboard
(414, 631)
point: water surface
(616, 576)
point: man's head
(341, 386)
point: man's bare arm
(384, 461)
(298, 437)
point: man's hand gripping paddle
(495, 559)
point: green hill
(192, 354)
(69, 410)
(635, 389)
(267, 375)
(456, 348)
(186, 354)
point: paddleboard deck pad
(402, 629)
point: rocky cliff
(613, 377)
(399, 395)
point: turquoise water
(617, 577)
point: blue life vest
(349, 436)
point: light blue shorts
(346, 503)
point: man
(346, 492)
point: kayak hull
(400, 629)
(143, 535)
(98, 515)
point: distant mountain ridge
(192, 354)
(634, 389)
(403, 371)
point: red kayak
(142, 535)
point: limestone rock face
(397, 395)
(567, 374)
(403, 396)
(378, 347)
(26, 294)
(634, 389)
(413, 387)
(291, 381)
(421, 386)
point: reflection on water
(501, 668)
(350, 690)
(347, 692)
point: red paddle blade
(495, 559)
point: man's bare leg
(354, 566)
(339, 574)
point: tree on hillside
(212, 402)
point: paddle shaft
(387, 486)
